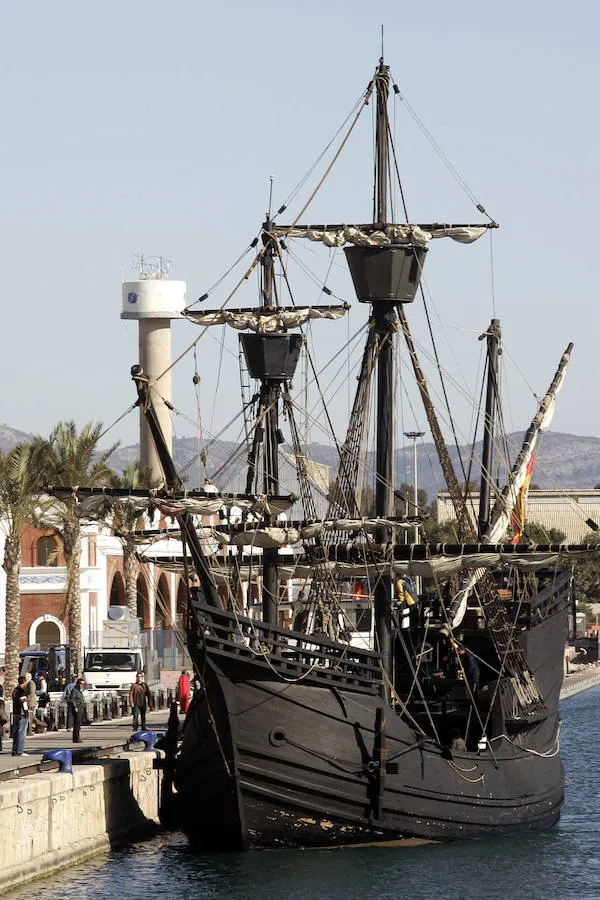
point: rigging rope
(460, 180)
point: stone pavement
(96, 738)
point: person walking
(3, 719)
(20, 717)
(139, 700)
(76, 703)
(42, 691)
(36, 724)
(183, 691)
(66, 697)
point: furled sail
(283, 535)
(500, 517)
(267, 320)
(96, 505)
(435, 567)
(501, 514)
(381, 236)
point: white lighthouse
(154, 300)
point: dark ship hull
(289, 744)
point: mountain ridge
(564, 461)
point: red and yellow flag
(519, 513)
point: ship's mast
(270, 392)
(382, 90)
(385, 276)
(271, 359)
(385, 318)
(491, 399)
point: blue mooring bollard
(148, 738)
(63, 757)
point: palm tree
(20, 503)
(71, 459)
(127, 520)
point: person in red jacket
(183, 691)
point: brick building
(160, 594)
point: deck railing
(290, 653)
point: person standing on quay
(3, 718)
(32, 703)
(77, 705)
(66, 697)
(20, 717)
(41, 684)
(139, 699)
(183, 691)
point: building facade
(161, 595)
(568, 511)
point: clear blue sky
(146, 127)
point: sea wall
(582, 679)
(49, 820)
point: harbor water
(564, 862)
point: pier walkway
(99, 739)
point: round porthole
(278, 737)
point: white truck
(113, 665)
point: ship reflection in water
(562, 862)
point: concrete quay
(580, 680)
(49, 819)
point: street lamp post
(414, 436)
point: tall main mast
(384, 276)
(385, 318)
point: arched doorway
(143, 607)
(182, 601)
(162, 618)
(47, 630)
(117, 591)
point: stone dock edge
(582, 680)
(50, 820)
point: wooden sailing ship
(304, 736)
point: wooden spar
(466, 529)
(174, 483)
(269, 404)
(384, 318)
(370, 227)
(539, 421)
(382, 85)
(491, 402)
